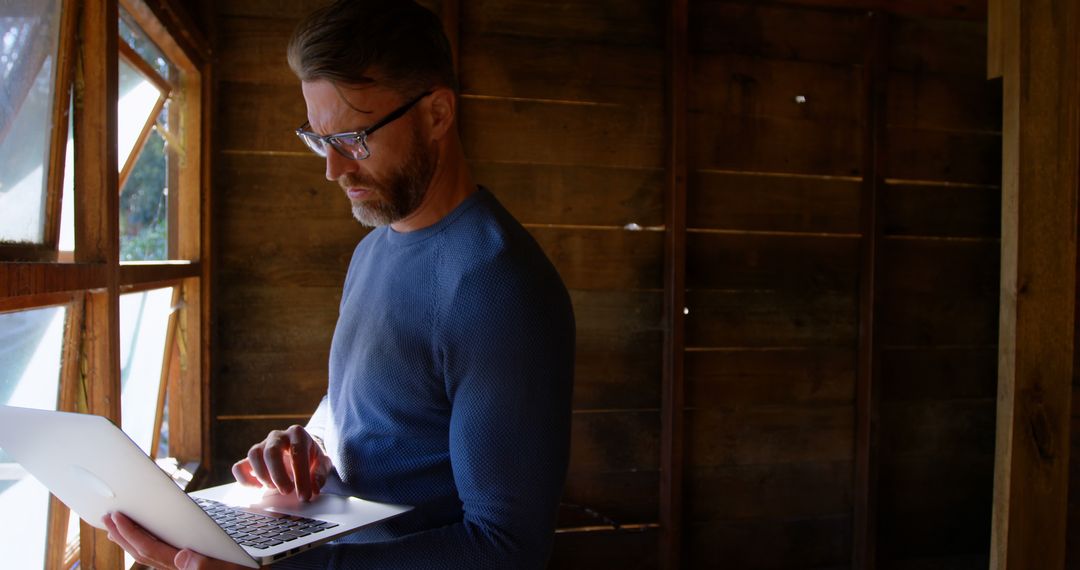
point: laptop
(95, 468)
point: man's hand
(148, 550)
(286, 460)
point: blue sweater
(451, 372)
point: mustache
(353, 180)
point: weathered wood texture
(1036, 435)
(778, 102)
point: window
(103, 273)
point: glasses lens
(314, 143)
(351, 146)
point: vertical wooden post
(672, 416)
(1040, 134)
(867, 394)
(97, 228)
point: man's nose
(336, 165)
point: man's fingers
(146, 548)
(277, 446)
(300, 450)
(242, 471)
(258, 465)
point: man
(451, 365)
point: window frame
(91, 279)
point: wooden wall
(892, 162)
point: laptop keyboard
(260, 530)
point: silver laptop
(95, 468)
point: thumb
(188, 559)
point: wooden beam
(150, 275)
(1041, 154)
(867, 393)
(672, 392)
(994, 39)
(97, 229)
(20, 279)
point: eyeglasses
(352, 145)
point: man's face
(391, 183)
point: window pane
(144, 322)
(136, 38)
(67, 200)
(144, 205)
(138, 95)
(29, 32)
(30, 347)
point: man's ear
(442, 108)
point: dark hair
(347, 40)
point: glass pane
(31, 345)
(67, 200)
(29, 31)
(138, 95)
(144, 205)
(144, 321)
(136, 38)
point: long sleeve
(451, 383)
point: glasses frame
(350, 150)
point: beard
(399, 194)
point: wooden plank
(820, 543)
(775, 491)
(19, 279)
(733, 84)
(570, 195)
(619, 349)
(954, 9)
(769, 318)
(290, 9)
(561, 133)
(737, 379)
(673, 380)
(291, 381)
(628, 550)
(281, 191)
(626, 497)
(938, 507)
(935, 210)
(943, 102)
(995, 46)
(601, 21)
(135, 274)
(938, 292)
(1036, 358)
(746, 201)
(261, 318)
(241, 105)
(867, 391)
(952, 47)
(604, 259)
(775, 145)
(938, 373)
(777, 31)
(942, 156)
(774, 262)
(252, 49)
(615, 441)
(492, 129)
(496, 65)
(770, 435)
(937, 430)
